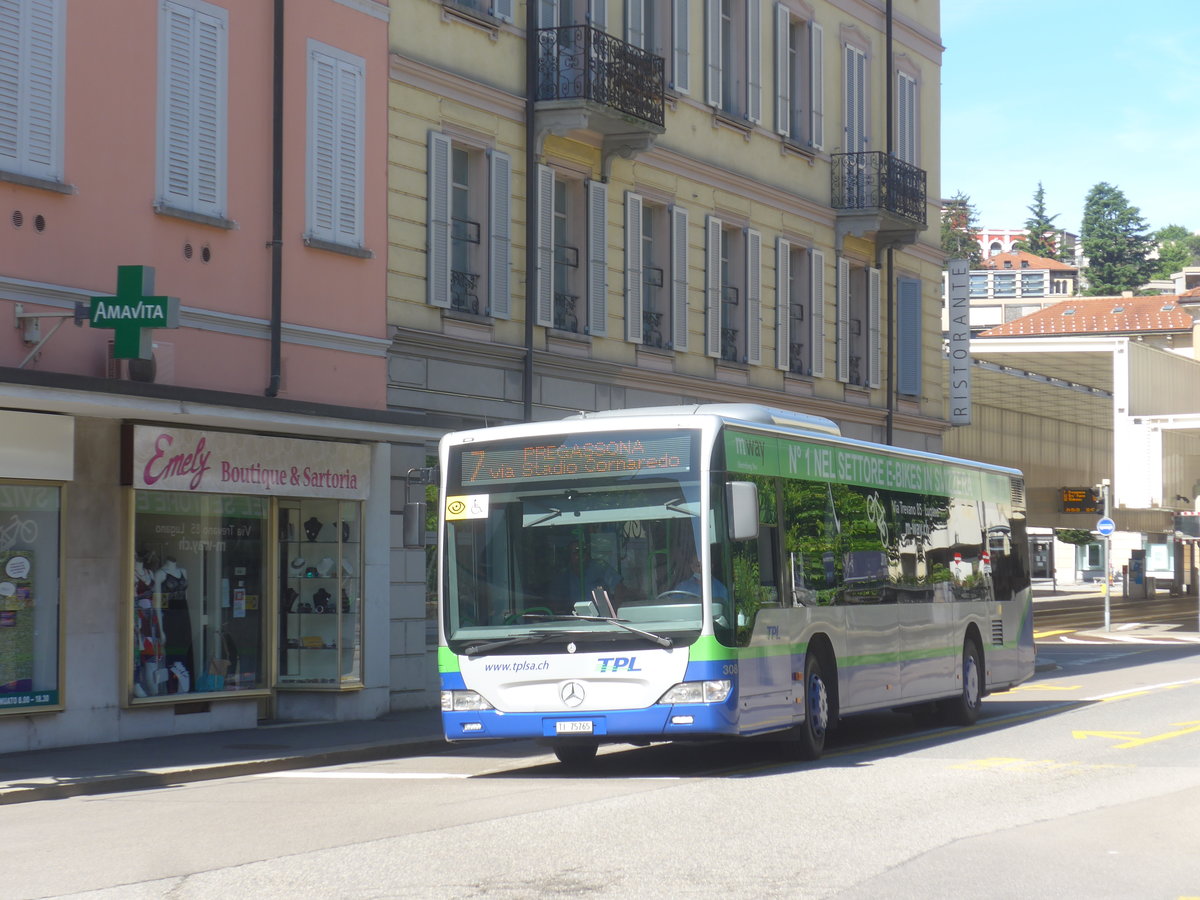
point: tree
(1041, 237)
(960, 230)
(1177, 247)
(1115, 241)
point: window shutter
(843, 320)
(753, 297)
(856, 112)
(545, 247)
(712, 24)
(754, 60)
(873, 330)
(783, 300)
(783, 81)
(499, 230)
(712, 287)
(679, 47)
(503, 9)
(816, 82)
(438, 212)
(679, 277)
(598, 14)
(817, 266)
(597, 194)
(547, 13)
(192, 107)
(31, 88)
(635, 23)
(633, 267)
(335, 148)
(907, 113)
(908, 337)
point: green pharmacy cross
(133, 312)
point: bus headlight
(699, 692)
(463, 701)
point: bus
(672, 573)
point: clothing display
(172, 582)
(312, 528)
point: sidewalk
(155, 762)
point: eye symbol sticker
(456, 507)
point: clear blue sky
(1072, 93)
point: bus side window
(755, 564)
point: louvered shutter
(843, 320)
(783, 79)
(908, 337)
(753, 60)
(545, 247)
(874, 332)
(192, 110)
(633, 267)
(907, 114)
(335, 147)
(597, 201)
(712, 287)
(816, 81)
(856, 90)
(635, 23)
(680, 58)
(438, 214)
(598, 14)
(753, 297)
(499, 240)
(783, 300)
(817, 305)
(712, 25)
(503, 9)
(679, 277)
(31, 87)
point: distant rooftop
(1019, 259)
(1102, 315)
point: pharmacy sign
(133, 312)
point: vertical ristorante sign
(959, 301)
(183, 459)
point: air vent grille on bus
(997, 632)
(1018, 493)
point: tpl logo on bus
(619, 664)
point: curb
(137, 781)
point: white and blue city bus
(725, 570)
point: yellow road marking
(1185, 728)
(1084, 735)
(1038, 635)
(1037, 686)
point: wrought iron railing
(579, 62)
(462, 291)
(565, 316)
(874, 180)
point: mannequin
(150, 671)
(171, 583)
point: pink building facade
(196, 468)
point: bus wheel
(575, 754)
(964, 709)
(812, 730)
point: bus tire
(964, 709)
(812, 731)
(575, 754)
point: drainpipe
(531, 204)
(891, 274)
(276, 243)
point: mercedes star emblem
(571, 693)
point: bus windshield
(590, 540)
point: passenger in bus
(575, 583)
(690, 583)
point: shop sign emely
(183, 459)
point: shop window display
(29, 596)
(198, 588)
(320, 566)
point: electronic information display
(576, 457)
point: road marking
(1011, 763)
(1037, 686)
(1112, 735)
(365, 776)
(1136, 692)
(1039, 635)
(1185, 728)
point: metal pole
(1104, 486)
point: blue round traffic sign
(1106, 526)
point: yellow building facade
(652, 203)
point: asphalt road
(1054, 617)
(1084, 782)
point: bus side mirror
(741, 505)
(414, 525)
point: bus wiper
(659, 639)
(678, 505)
(531, 637)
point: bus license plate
(573, 727)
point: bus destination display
(578, 456)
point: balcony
(590, 80)
(878, 195)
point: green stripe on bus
(447, 660)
